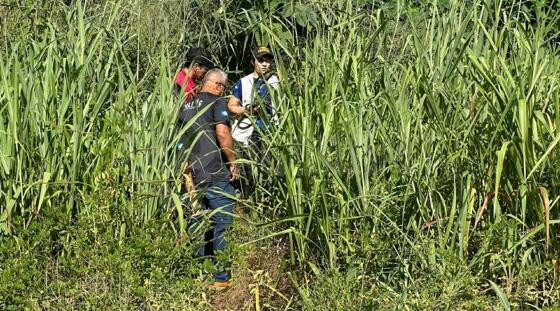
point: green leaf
(501, 295)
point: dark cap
(203, 61)
(262, 51)
(199, 56)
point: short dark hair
(198, 55)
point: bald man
(212, 161)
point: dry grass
(260, 277)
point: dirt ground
(259, 279)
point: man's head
(263, 59)
(215, 82)
(199, 62)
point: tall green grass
(433, 131)
(79, 131)
(413, 139)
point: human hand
(255, 109)
(234, 170)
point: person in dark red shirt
(197, 64)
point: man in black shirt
(211, 160)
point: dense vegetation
(415, 165)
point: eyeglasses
(219, 83)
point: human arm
(234, 106)
(225, 142)
(223, 136)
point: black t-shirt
(205, 159)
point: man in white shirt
(251, 96)
(252, 104)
